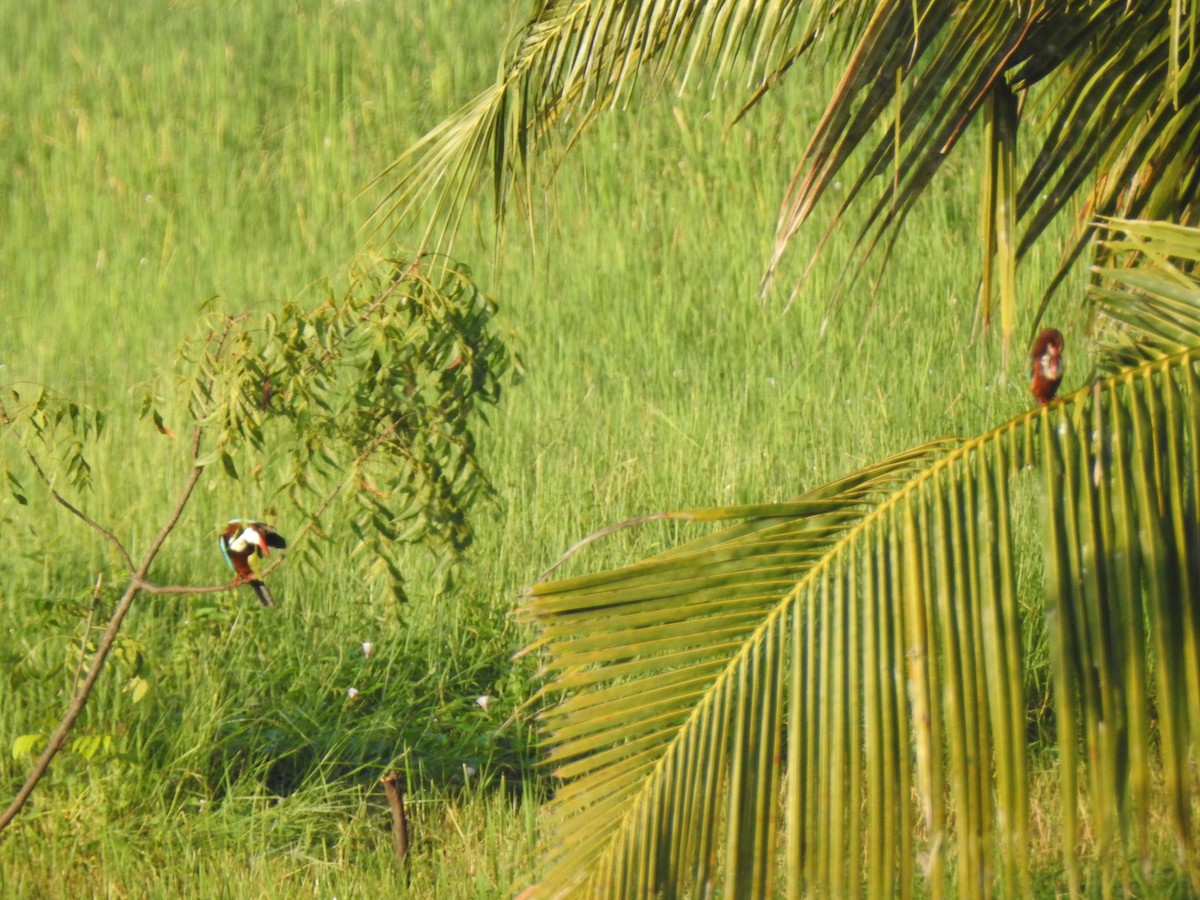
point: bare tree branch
(136, 584)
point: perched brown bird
(243, 539)
(1046, 365)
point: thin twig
(157, 589)
(605, 532)
(771, 79)
(108, 535)
(61, 500)
(87, 628)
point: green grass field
(160, 159)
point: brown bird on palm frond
(243, 539)
(1046, 365)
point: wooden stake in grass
(393, 786)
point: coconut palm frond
(680, 633)
(573, 59)
(1147, 304)
(1122, 114)
(844, 673)
(1112, 88)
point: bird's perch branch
(157, 589)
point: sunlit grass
(326, 840)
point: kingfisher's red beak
(262, 543)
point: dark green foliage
(360, 412)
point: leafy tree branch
(361, 410)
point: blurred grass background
(157, 160)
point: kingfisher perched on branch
(244, 538)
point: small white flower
(351, 693)
(483, 701)
(469, 771)
(367, 648)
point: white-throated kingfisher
(244, 538)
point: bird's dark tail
(263, 594)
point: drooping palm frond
(640, 648)
(1123, 115)
(844, 672)
(573, 58)
(1149, 305)
(1118, 107)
